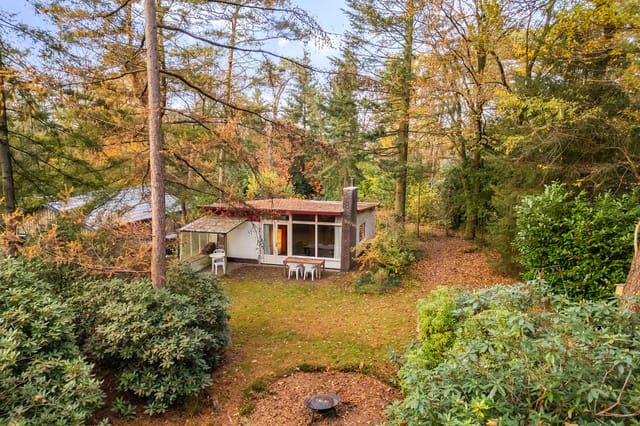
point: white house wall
(368, 217)
(244, 241)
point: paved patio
(258, 272)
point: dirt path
(453, 261)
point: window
(303, 218)
(326, 241)
(302, 235)
(192, 243)
(304, 239)
(326, 219)
(268, 239)
(315, 235)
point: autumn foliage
(113, 249)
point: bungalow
(269, 231)
(129, 205)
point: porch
(260, 272)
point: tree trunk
(156, 162)
(402, 142)
(469, 200)
(228, 92)
(632, 285)
(8, 188)
(471, 186)
(275, 106)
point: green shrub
(391, 250)
(385, 256)
(583, 248)
(520, 357)
(210, 303)
(377, 281)
(43, 378)
(163, 342)
(124, 409)
(436, 328)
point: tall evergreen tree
(343, 126)
(307, 145)
(384, 34)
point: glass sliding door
(315, 236)
(275, 235)
(326, 241)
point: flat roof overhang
(214, 224)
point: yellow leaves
(74, 249)
(387, 141)
(8, 73)
(479, 407)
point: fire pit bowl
(322, 403)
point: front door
(275, 241)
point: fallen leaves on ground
(363, 400)
(453, 261)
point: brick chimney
(349, 227)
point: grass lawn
(278, 328)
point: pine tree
(343, 128)
(575, 115)
(302, 110)
(384, 36)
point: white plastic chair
(294, 267)
(310, 269)
(218, 258)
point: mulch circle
(363, 400)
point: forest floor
(294, 338)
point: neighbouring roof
(291, 206)
(126, 206)
(214, 224)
